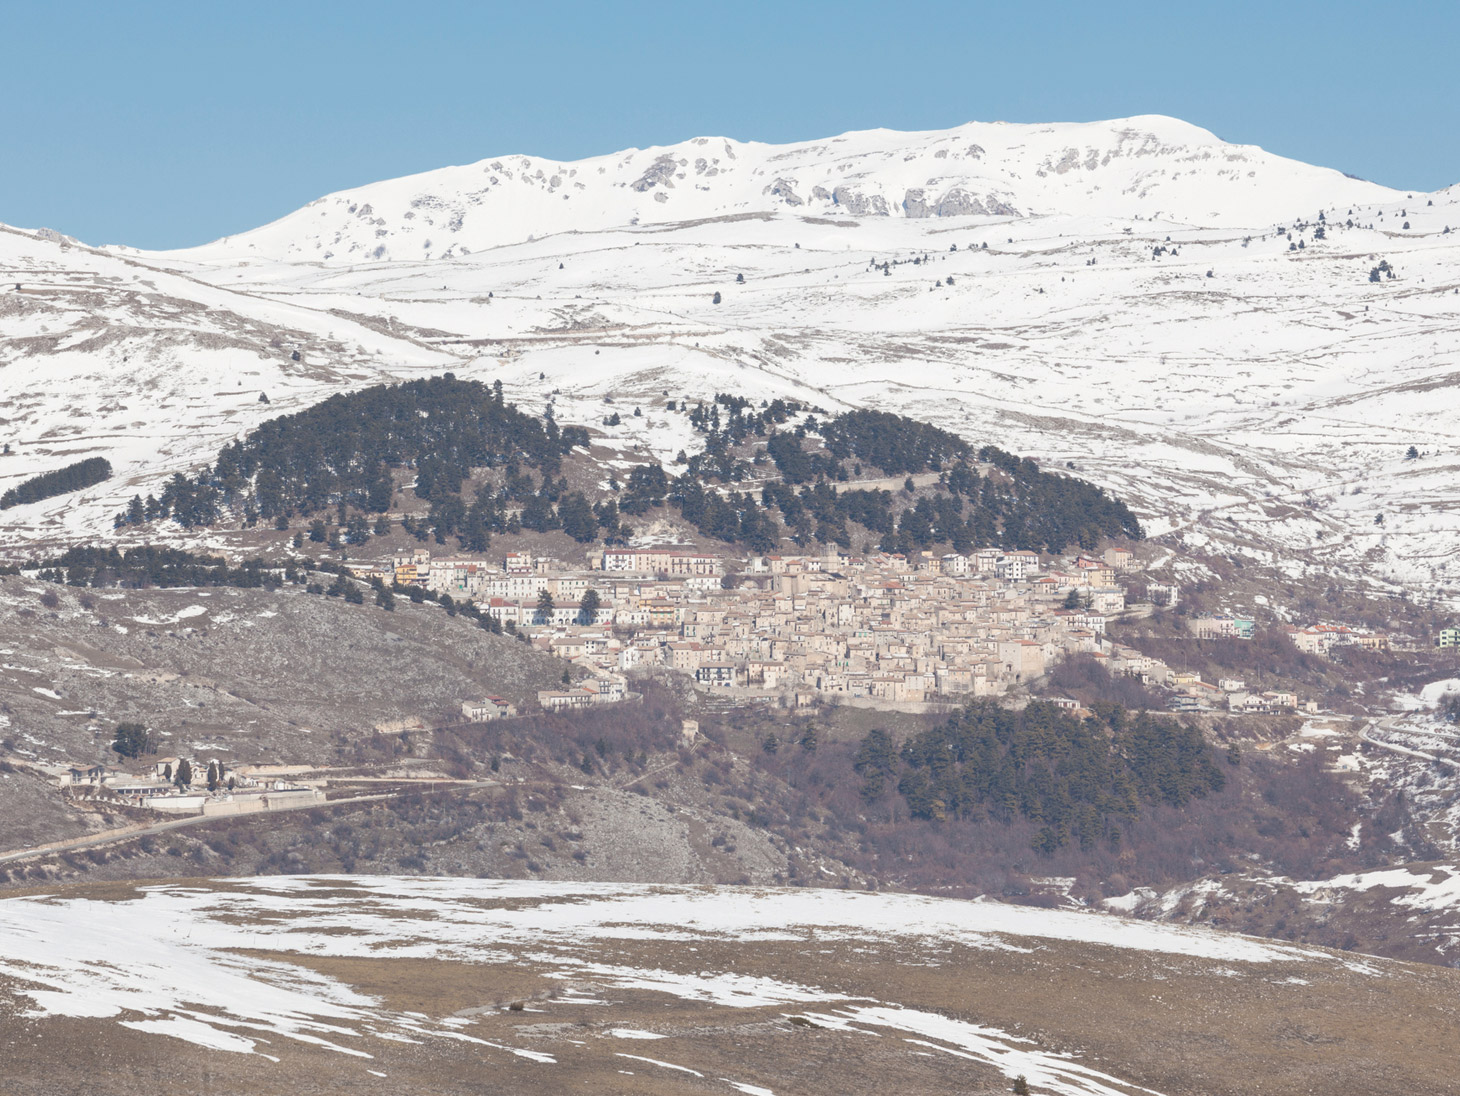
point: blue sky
(169, 124)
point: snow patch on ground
(185, 613)
(183, 972)
(1429, 889)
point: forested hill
(341, 453)
(987, 498)
(350, 453)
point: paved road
(108, 837)
(1388, 725)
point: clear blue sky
(169, 124)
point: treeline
(149, 565)
(1016, 506)
(342, 453)
(740, 422)
(1078, 779)
(84, 473)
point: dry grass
(1178, 1025)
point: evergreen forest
(84, 473)
(766, 473)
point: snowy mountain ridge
(1150, 167)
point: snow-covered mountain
(1121, 298)
(1150, 167)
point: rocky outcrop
(955, 202)
(915, 203)
(785, 190)
(958, 202)
(858, 204)
(1068, 162)
(659, 173)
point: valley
(897, 612)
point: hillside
(1250, 392)
(251, 675)
(388, 984)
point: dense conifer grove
(342, 451)
(62, 481)
(1077, 778)
(346, 453)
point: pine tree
(184, 775)
(131, 740)
(578, 519)
(588, 608)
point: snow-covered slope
(105, 355)
(1137, 315)
(1149, 167)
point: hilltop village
(884, 630)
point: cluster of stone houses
(1313, 639)
(882, 628)
(1320, 639)
(155, 788)
(1189, 692)
(1222, 626)
(605, 687)
(487, 709)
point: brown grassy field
(473, 991)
